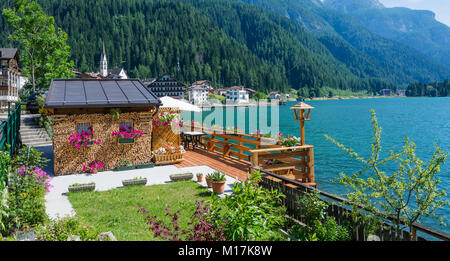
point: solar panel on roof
(99, 93)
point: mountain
(352, 43)
(418, 29)
(286, 44)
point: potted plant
(134, 181)
(125, 165)
(82, 187)
(218, 182)
(115, 113)
(208, 179)
(93, 167)
(199, 177)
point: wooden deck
(230, 166)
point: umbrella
(182, 105)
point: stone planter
(82, 187)
(218, 187)
(181, 177)
(132, 182)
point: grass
(116, 210)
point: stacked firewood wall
(166, 135)
(69, 160)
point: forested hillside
(228, 42)
(438, 89)
(416, 28)
(364, 52)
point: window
(126, 126)
(84, 127)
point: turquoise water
(424, 120)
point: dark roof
(8, 53)
(85, 93)
(115, 71)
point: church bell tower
(103, 62)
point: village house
(237, 94)
(99, 108)
(168, 86)
(274, 95)
(9, 77)
(199, 91)
(386, 92)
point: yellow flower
(24, 195)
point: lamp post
(302, 112)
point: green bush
(61, 229)
(319, 226)
(250, 213)
(30, 157)
(25, 199)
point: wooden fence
(340, 209)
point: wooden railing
(295, 162)
(289, 165)
(339, 208)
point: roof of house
(201, 82)
(235, 88)
(8, 53)
(115, 71)
(250, 90)
(95, 93)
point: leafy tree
(260, 96)
(45, 52)
(404, 196)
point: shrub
(30, 157)
(249, 213)
(61, 229)
(26, 204)
(320, 227)
(201, 227)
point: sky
(440, 7)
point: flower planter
(83, 187)
(162, 159)
(145, 166)
(181, 177)
(123, 168)
(218, 187)
(200, 178)
(132, 182)
(208, 181)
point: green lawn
(116, 210)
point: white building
(274, 95)
(116, 73)
(237, 94)
(199, 91)
(9, 76)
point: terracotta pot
(208, 182)
(218, 186)
(200, 178)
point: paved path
(58, 204)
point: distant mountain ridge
(418, 29)
(263, 44)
